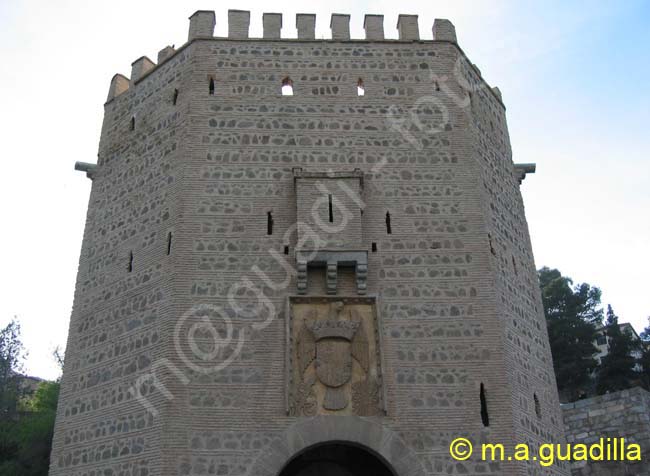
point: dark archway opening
(336, 459)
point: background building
(601, 343)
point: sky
(573, 75)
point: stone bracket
(522, 169)
(332, 268)
(332, 259)
(90, 169)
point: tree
(645, 334)
(26, 443)
(644, 361)
(59, 357)
(26, 424)
(45, 398)
(572, 314)
(616, 371)
(11, 358)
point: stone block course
(622, 414)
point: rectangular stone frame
(373, 300)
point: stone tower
(304, 257)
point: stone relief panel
(334, 363)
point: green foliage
(644, 361)
(561, 300)
(45, 398)
(25, 442)
(645, 334)
(11, 357)
(572, 314)
(616, 371)
(26, 424)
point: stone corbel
(90, 169)
(332, 259)
(522, 169)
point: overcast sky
(574, 77)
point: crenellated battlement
(203, 22)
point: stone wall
(624, 414)
(197, 156)
(124, 293)
(533, 394)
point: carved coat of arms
(334, 359)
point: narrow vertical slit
(538, 407)
(132, 123)
(169, 243)
(211, 87)
(389, 230)
(484, 411)
(269, 223)
(331, 212)
(175, 97)
(129, 266)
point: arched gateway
(337, 459)
(341, 446)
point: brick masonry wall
(526, 350)
(624, 414)
(118, 327)
(208, 169)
